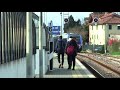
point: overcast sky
(56, 17)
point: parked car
(98, 49)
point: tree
(66, 27)
(71, 22)
(78, 23)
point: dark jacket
(73, 43)
(60, 46)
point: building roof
(107, 18)
(93, 15)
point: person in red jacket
(71, 57)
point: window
(118, 27)
(90, 39)
(92, 36)
(102, 26)
(97, 36)
(110, 27)
(96, 27)
(92, 27)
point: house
(108, 26)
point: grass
(115, 53)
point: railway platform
(79, 72)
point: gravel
(105, 60)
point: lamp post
(93, 42)
(46, 17)
(61, 23)
(95, 20)
(106, 38)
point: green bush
(115, 47)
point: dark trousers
(71, 59)
(62, 58)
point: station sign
(56, 30)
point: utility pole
(95, 20)
(106, 35)
(93, 42)
(40, 47)
(61, 23)
(46, 18)
(65, 18)
(29, 61)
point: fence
(100, 48)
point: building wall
(97, 34)
(15, 69)
(114, 30)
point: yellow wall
(98, 34)
(100, 30)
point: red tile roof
(109, 18)
(93, 15)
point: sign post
(95, 21)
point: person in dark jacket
(60, 48)
(71, 58)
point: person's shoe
(73, 69)
(59, 65)
(69, 68)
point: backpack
(70, 50)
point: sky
(56, 17)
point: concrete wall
(45, 62)
(17, 68)
(14, 69)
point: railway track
(116, 59)
(98, 62)
(108, 56)
(96, 73)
